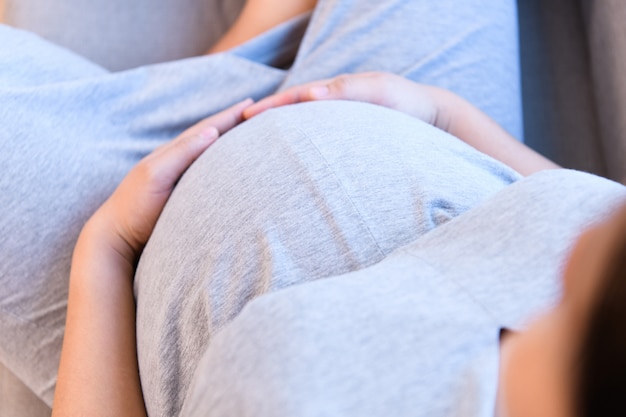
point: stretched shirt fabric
(71, 130)
(303, 200)
(415, 334)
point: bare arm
(98, 374)
(433, 105)
(465, 121)
(259, 16)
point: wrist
(461, 119)
(101, 249)
(445, 105)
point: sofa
(571, 59)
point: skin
(439, 107)
(538, 366)
(98, 373)
(259, 16)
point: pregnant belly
(298, 193)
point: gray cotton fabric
(416, 334)
(299, 203)
(70, 132)
(72, 129)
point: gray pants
(71, 130)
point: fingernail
(319, 91)
(210, 133)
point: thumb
(362, 87)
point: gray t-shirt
(418, 333)
(302, 201)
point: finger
(293, 95)
(161, 170)
(366, 87)
(230, 117)
(222, 121)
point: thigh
(285, 199)
(469, 47)
(70, 132)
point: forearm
(98, 374)
(259, 16)
(463, 120)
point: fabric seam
(461, 287)
(344, 191)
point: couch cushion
(607, 39)
(119, 34)
(559, 108)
